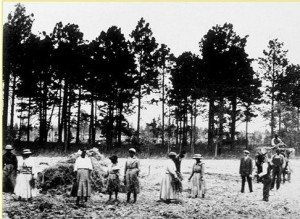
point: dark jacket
(10, 158)
(246, 166)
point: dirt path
(223, 199)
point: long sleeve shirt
(265, 169)
(83, 163)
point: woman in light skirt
(24, 188)
(168, 191)
(113, 184)
(132, 169)
(83, 168)
(197, 177)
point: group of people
(270, 170)
(171, 184)
(19, 176)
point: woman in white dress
(168, 191)
(197, 177)
(24, 188)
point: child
(197, 177)
(113, 184)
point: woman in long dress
(24, 188)
(113, 184)
(168, 190)
(83, 168)
(197, 178)
(132, 169)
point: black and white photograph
(151, 109)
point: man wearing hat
(246, 168)
(277, 161)
(10, 165)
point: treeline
(61, 71)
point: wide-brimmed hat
(8, 147)
(132, 150)
(26, 151)
(246, 152)
(197, 156)
(172, 154)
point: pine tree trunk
(6, 77)
(211, 125)
(64, 115)
(194, 127)
(139, 116)
(233, 122)
(59, 121)
(177, 132)
(272, 99)
(163, 108)
(21, 120)
(120, 125)
(12, 112)
(191, 134)
(78, 117)
(92, 119)
(298, 122)
(28, 120)
(247, 142)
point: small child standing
(113, 184)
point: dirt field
(223, 198)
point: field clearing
(223, 198)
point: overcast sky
(179, 25)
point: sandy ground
(223, 198)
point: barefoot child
(113, 184)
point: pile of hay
(59, 178)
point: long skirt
(113, 183)
(132, 181)
(9, 178)
(167, 191)
(84, 183)
(198, 186)
(23, 188)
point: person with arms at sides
(10, 166)
(265, 176)
(83, 168)
(131, 180)
(246, 168)
(197, 177)
(277, 163)
(113, 184)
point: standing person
(197, 176)
(24, 188)
(132, 169)
(10, 166)
(265, 176)
(246, 168)
(277, 161)
(113, 184)
(83, 168)
(168, 188)
(178, 160)
(259, 160)
(276, 142)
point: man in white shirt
(276, 141)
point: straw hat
(8, 147)
(132, 150)
(197, 156)
(27, 151)
(172, 154)
(246, 152)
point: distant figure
(132, 169)
(83, 168)
(265, 176)
(169, 184)
(259, 160)
(10, 166)
(197, 177)
(178, 160)
(276, 142)
(113, 184)
(246, 168)
(25, 179)
(278, 162)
